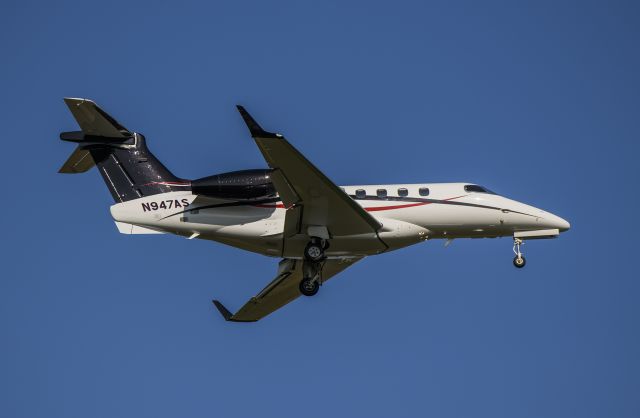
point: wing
(282, 290)
(300, 184)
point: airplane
(290, 210)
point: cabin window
(382, 193)
(474, 188)
(423, 191)
(402, 192)
(361, 194)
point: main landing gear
(312, 277)
(519, 261)
(309, 286)
(314, 251)
(314, 257)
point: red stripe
(369, 209)
(377, 208)
(277, 206)
(457, 197)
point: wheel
(314, 252)
(309, 287)
(519, 261)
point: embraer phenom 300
(290, 210)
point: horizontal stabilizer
(94, 121)
(78, 162)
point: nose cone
(557, 222)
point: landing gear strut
(519, 261)
(312, 266)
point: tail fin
(127, 166)
(95, 123)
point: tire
(309, 287)
(519, 262)
(314, 252)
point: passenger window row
(382, 193)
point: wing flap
(287, 193)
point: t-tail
(128, 168)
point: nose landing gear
(519, 261)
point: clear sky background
(536, 100)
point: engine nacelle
(245, 184)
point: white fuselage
(407, 212)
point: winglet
(255, 129)
(224, 311)
(228, 316)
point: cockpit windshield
(477, 189)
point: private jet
(290, 210)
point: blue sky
(536, 100)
